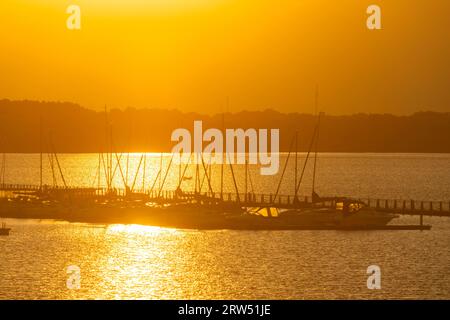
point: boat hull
(196, 216)
(332, 217)
(4, 232)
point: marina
(399, 206)
(188, 204)
(29, 201)
(178, 206)
(115, 228)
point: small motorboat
(4, 231)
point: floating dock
(398, 206)
(249, 200)
(334, 228)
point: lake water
(142, 262)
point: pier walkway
(399, 206)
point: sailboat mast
(107, 151)
(179, 168)
(40, 151)
(197, 176)
(315, 164)
(222, 157)
(206, 170)
(165, 176)
(128, 147)
(111, 156)
(3, 169)
(99, 170)
(137, 172)
(57, 162)
(317, 139)
(126, 170)
(246, 177)
(160, 170)
(296, 166)
(143, 172)
(210, 171)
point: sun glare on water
(136, 229)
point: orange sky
(192, 54)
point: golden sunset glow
(191, 55)
(242, 151)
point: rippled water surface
(142, 262)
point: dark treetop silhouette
(77, 129)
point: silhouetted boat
(346, 212)
(4, 231)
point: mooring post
(378, 203)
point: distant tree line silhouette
(70, 128)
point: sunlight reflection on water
(141, 262)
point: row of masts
(203, 172)
(109, 165)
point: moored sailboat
(4, 231)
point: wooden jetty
(249, 200)
(345, 228)
(398, 206)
